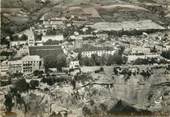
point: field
(111, 10)
(45, 51)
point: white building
(17, 43)
(140, 50)
(31, 37)
(15, 66)
(74, 64)
(98, 52)
(45, 38)
(3, 68)
(31, 64)
(88, 50)
(26, 65)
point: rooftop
(31, 58)
(15, 62)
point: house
(45, 38)
(4, 68)
(74, 64)
(54, 22)
(40, 30)
(15, 66)
(140, 51)
(32, 63)
(17, 43)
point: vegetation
(21, 85)
(145, 61)
(166, 54)
(52, 42)
(7, 53)
(55, 62)
(8, 102)
(38, 73)
(34, 84)
(96, 60)
(17, 38)
(50, 80)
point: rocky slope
(103, 94)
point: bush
(166, 54)
(38, 73)
(34, 84)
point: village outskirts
(63, 62)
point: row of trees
(96, 60)
(144, 61)
(7, 53)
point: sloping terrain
(23, 13)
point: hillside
(23, 13)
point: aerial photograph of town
(85, 58)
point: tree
(8, 102)
(34, 84)
(79, 56)
(52, 42)
(166, 54)
(96, 59)
(115, 59)
(153, 50)
(87, 61)
(61, 62)
(21, 85)
(58, 62)
(24, 37)
(38, 73)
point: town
(79, 64)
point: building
(40, 30)
(15, 66)
(26, 65)
(31, 38)
(89, 50)
(74, 64)
(53, 22)
(45, 38)
(17, 43)
(98, 52)
(4, 68)
(32, 63)
(140, 51)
